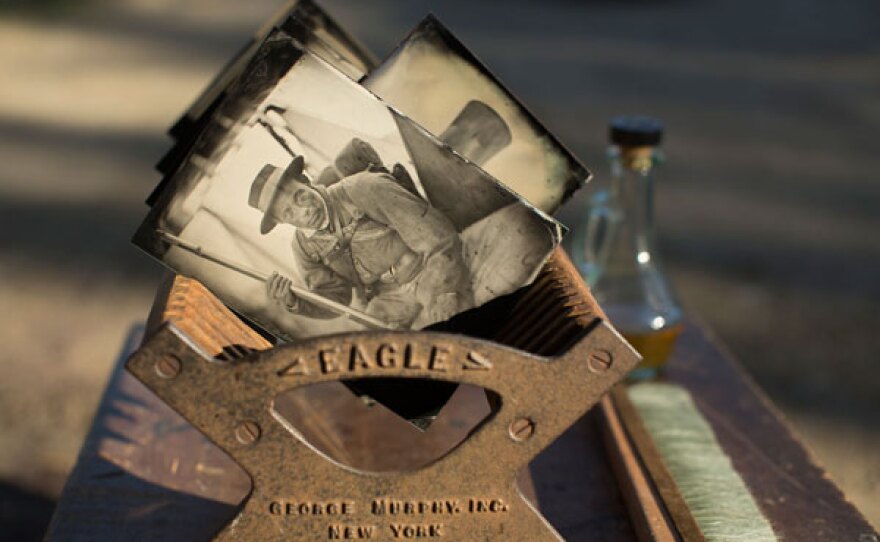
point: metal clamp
(468, 494)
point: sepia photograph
(315, 30)
(325, 210)
(435, 80)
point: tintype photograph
(316, 31)
(435, 80)
(311, 207)
(326, 38)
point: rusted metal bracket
(300, 494)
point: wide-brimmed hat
(269, 183)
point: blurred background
(767, 207)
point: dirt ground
(768, 205)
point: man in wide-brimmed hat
(364, 235)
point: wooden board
(795, 494)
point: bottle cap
(635, 131)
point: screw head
(247, 433)
(168, 366)
(521, 429)
(600, 360)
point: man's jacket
(380, 237)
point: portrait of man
(365, 240)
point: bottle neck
(632, 185)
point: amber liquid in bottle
(654, 346)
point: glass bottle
(615, 248)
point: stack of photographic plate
(316, 190)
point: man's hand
(279, 293)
